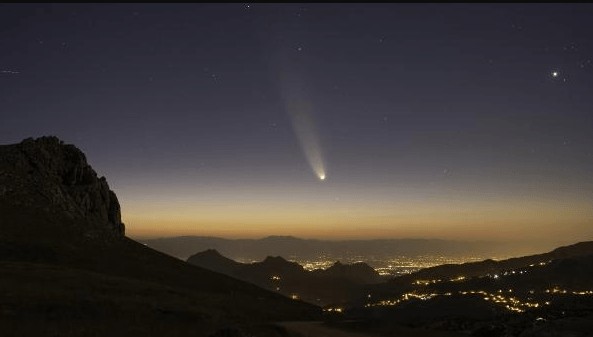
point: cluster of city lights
(402, 265)
(426, 282)
(519, 272)
(429, 282)
(317, 264)
(501, 297)
(509, 302)
(393, 266)
(406, 297)
(557, 290)
(494, 276)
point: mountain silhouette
(68, 269)
(359, 272)
(50, 187)
(183, 247)
(322, 287)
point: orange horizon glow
(461, 220)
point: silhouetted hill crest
(580, 248)
(45, 178)
(289, 278)
(213, 260)
(277, 264)
(358, 272)
(211, 253)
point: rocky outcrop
(45, 175)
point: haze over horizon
(334, 121)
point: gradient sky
(444, 121)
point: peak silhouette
(45, 180)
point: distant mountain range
(67, 269)
(296, 248)
(320, 287)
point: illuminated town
(513, 300)
(500, 297)
(391, 266)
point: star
(555, 74)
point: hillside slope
(66, 267)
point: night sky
(319, 121)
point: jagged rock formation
(45, 177)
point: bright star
(555, 74)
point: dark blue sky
(430, 120)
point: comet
(299, 108)
(306, 133)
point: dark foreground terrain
(66, 268)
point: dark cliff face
(50, 180)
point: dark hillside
(67, 268)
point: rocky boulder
(52, 181)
